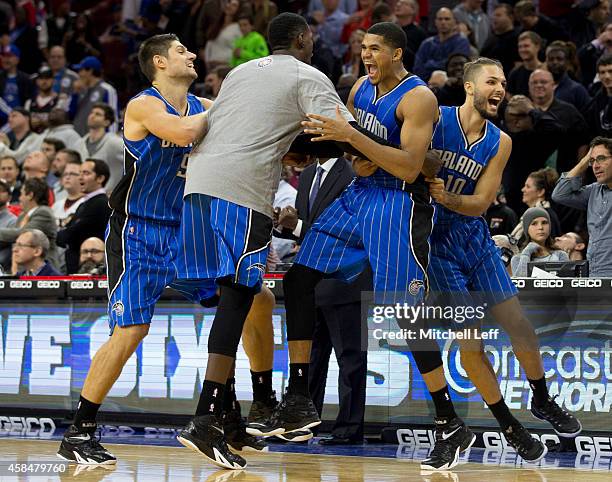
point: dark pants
(339, 327)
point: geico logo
(586, 283)
(103, 284)
(594, 445)
(29, 423)
(81, 285)
(519, 283)
(416, 437)
(548, 283)
(20, 284)
(47, 284)
(270, 283)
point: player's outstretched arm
(417, 128)
(486, 188)
(147, 114)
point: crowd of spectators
(68, 69)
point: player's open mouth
(371, 69)
(494, 102)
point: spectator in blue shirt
(15, 85)
(566, 89)
(434, 51)
(330, 22)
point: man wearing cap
(15, 85)
(92, 89)
(45, 100)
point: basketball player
(465, 260)
(385, 217)
(161, 124)
(231, 182)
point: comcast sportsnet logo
(415, 286)
(118, 308)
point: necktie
(315, 188)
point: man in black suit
(338, 323)
(91, 217)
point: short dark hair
(507, 7)
(109, 112)
(56, 143)
(392, 34)
(2, 158)
(525, 8)
(73, 156)
(534, 37)
(221, 71)
(602, 141)
(605, 59)
(39, 189)
(284, 29)
(156, 45)
(100, 169)
(246, 15)
(472, 68)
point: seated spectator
(330, 22)
(30, 251)
(15, 85)
(72, 198)
(36, 165)
(590, 53)
(7, 218)
(437, 79)
(92, 89)
(537, 192)
(44, 100)
(406, 12)
(539, 248)
(20, 140)
(359, 20)
(526, 15)
(63, 77)
(263, 12)
(92, 257)
(100, 144)
(221, 36)
(36, 214)
(585, 20)
(60, 128)
(470, 12)
(50, 147)
(500, 217)
(599, 112)
(434, 51)
(355, 66)
(213, 81)
(572, 244)
(9, 172)
(567, 89)
(529, 44)
(596, 199)
(91, 217)
(452, 92)
(502, 42)
(58, 164)
(252, 45)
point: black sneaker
(452, 437)
(205, 436)
(296, 436)
(294, 412)
(83, 447)
(261, 411)
(236, 436)
(564, 423)
(529, 448)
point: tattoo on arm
(453, 201)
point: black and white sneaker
(294, 412)
(528, 447)
(83, 447)
(563, 422)
(452, 437)
(261, 411)
(296, 436)
(234, 429)
(205, 436)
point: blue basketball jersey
(377, 114)
(463, 163)
(154, 172)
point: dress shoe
(336, 440)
